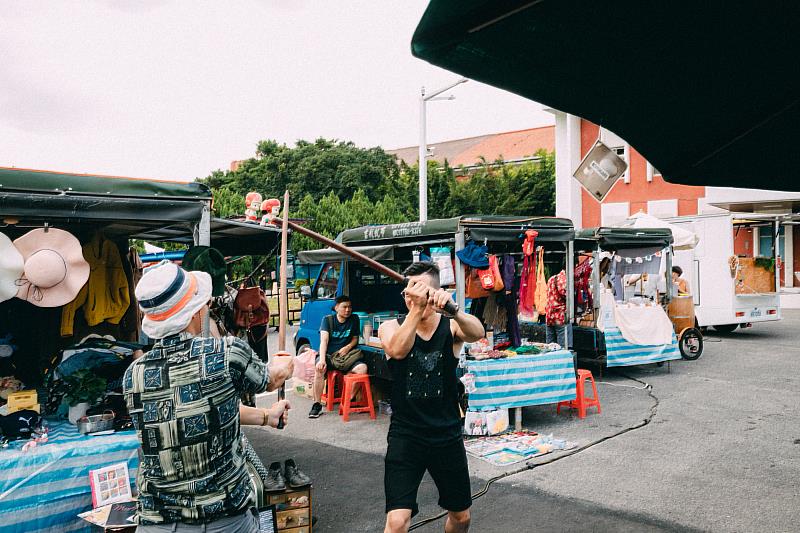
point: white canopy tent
(683, 239)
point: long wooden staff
(451, 308)
(283, 294)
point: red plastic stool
(335, 382)
(581, 402)
(351, 381)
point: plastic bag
(441, 256)
(304, 365)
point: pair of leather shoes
(279, 478)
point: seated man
(338, 334)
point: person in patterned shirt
(183, 397)
(557, 330)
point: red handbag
(490, 278)
(251, 307)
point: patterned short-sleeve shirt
(183, 397)
(556, 310)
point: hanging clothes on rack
(527, 284)
(583, 293)
(509, 300)
(106, 295)
(540, 298)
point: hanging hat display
(54, 270)
(474, 255)
(11, 268)
(208, 260)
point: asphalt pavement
(713, 446)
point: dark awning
(230, 237)
(380, 252)
(44, 181)
(622, 238)
(491, 227)
(706, 91)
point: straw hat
(169, 296)
(11, 268)
(55, 269)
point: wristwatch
(266, 417)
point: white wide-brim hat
(11, 267)
(169, 296)
(55, 269)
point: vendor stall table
(523, 380)
(44, 488)
(620, 352)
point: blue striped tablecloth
(523, 380)
(620, 352)
(44, 489)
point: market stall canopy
(153, 210)
(611, 239)
(230, 237)
(706, 91)
(383, 252)
(121, 206)
(493, 228)
(682, 238)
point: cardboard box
(303, 388)
(21, 400)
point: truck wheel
(726, 328)
(691, 344)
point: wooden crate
(293, 509)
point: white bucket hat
(169, 296)
(11, 267)
(55, 269)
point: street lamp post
(423, 144)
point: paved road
(720, 454)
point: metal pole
(423, 166)
(460, 282)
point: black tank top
(425, 390)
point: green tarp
(706, 91)
(620, 238)
(493, 228)
(379, 253)
(24, 180)
(121, 207)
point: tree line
(335, 185)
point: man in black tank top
(425, 430)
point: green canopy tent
(123, 208)
(706, 91)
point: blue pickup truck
(375, 295)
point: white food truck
(730, 291)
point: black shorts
(405, 464)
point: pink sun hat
(55, 269)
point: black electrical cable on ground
(531, 465)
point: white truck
(713, 273)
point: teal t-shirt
(340, 333)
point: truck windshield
(329, 280)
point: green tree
(317, 169)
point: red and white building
(642, 188)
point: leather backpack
(251, 307)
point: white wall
(663, 208)
(613, 212)
(568, 157)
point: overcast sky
(176, 89)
